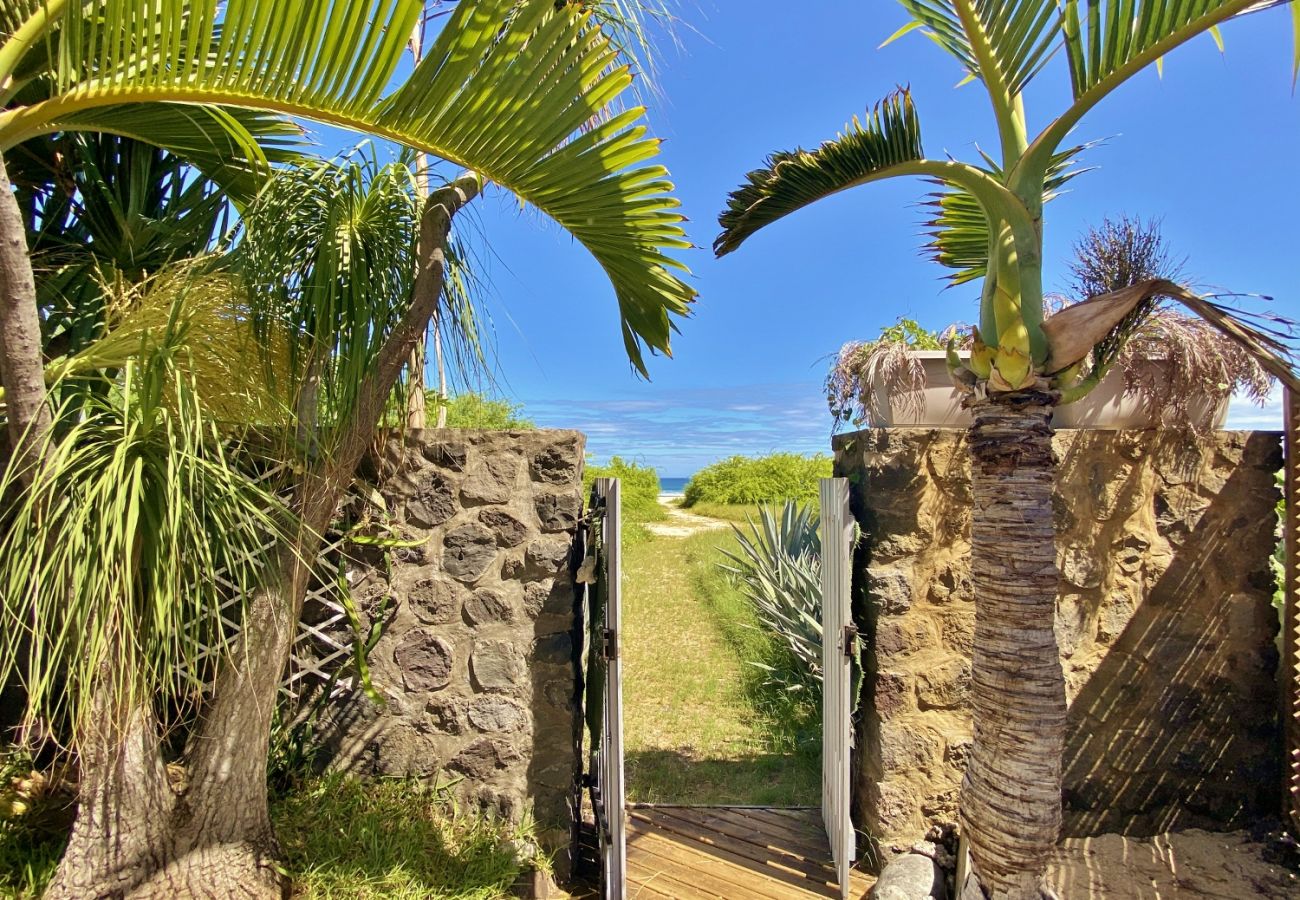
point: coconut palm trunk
(1011, 794)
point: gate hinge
(609, 650)
(850, 640)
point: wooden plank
(837, 674)
(659, 876)
(809, 845)
(785, 868)
(733, 875)
(757, 845)
(699, 874)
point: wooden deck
(711, 852)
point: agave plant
(778, 567)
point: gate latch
(850, 640)
(610, 648)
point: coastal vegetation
(748, 480)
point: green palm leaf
(863, 152)
(1110, 39)
(994, 40)
(959, 231)
(502, 91)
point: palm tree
(988, 225)
(520, 93)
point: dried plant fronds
(890, 363)
(1181, 367)
(205, 315)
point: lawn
(342, 838)
(699, 726)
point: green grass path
(692, 733)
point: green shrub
(639, 493)
(762, 479)
(777, 567)
(471, 410)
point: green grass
(762, 479)
(699, 725)
(391, 838)
(341, 838)
(740, 513)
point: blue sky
(1210, 148)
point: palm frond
(791, 180)
(231, 146)
(1109, 40)
(505, 90)
(329, 257)
(958, 232)
(1020, 36)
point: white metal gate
(605, 684)
(839, 652)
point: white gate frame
(611, 818)
(839, 645)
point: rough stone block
(493, 714)
(509, 531)
(496, 666)
(425, 661)
(558, 512)
(492, 480)
(434, 503)
(468, 551)
(488, 606)
(435, 601)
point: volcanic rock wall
(476, 664)
(1164, 618)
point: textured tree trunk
(1011, 794)
(23, 368)
(120, 834)
(442, 369)
(217, 841)
(416, 414)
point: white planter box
(1106, 407)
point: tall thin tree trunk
(442, 369)
(23, 369)
(1011, 794)
(222, 842)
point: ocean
(672, 485)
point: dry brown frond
(1174, 363)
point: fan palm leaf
(504, 91)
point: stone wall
(1164, 619)
(476, 663)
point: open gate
(1290, 710)
(602, 572)
(839, 658)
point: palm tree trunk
(222, 844)
(22, 366)
(1011, 794)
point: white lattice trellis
(316, 653)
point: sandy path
(681, 523)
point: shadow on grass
(765, 779)
(343, 838)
